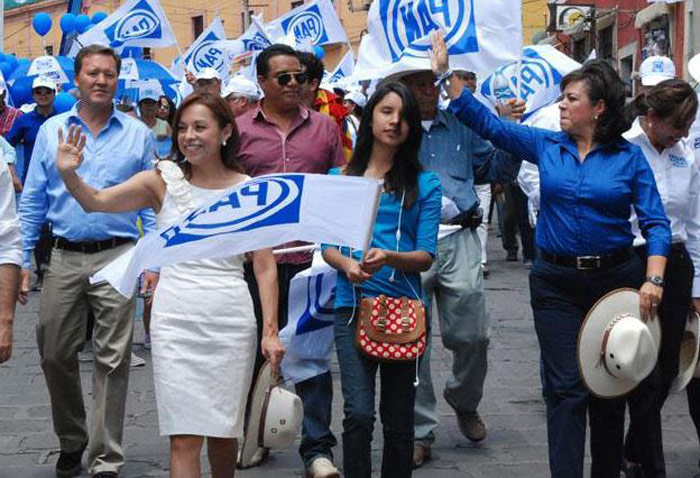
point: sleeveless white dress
(203, 332)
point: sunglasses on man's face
(43, 91)
(285, 78)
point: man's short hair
(95, 50)
(262, 63)
(314, 66)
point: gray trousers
(456, 282)
(66, 297)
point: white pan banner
(263, 212)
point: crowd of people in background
(95, 179)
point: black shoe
(634, 471)
(69, 464)
(105, 474)
(512, 256)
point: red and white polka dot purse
(391, 329)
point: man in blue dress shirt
(118, 146)
(453, 151)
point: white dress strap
(176, 184)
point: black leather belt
(88, 247)
(586, 263)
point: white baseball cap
(148, 94)
(694, 67)
(656, 69)
(356, 97)
(207, 73)
(43, 82)
(241, 86)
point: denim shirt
(124, 147)
(448, 149)
(585, 205)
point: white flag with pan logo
(263, 212)
(480, 35)
(542, 68)
(308, 335)
(139, 23)
(208, 51)
(316, 21)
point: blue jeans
(317, 440)
(561, 296)
(357, 378)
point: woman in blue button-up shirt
(590, 179)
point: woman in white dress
(203, 326)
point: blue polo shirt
(24, 129)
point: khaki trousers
(66, 297)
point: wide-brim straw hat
(250, 440)
(616, 349)
(688, 356)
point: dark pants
(516, 219)
(561, 296)
(693, 392)
(397, 395)
(316, 393)
(42, 251)
(643, 443)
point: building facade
(190, 18)
(624, 32)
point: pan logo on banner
(307, 24)
(405, 22)
(541, 70)
(258, 43)
(141, 22)
(535, 73)
(208, 54)
(319, 311)
(260, 203)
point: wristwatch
(658, 281)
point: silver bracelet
(441, 79)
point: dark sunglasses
(285, 78)
(43, 91)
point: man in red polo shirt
(281, 135)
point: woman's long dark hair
(403, 175)
(221, 111)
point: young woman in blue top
(403, 245)
(590, 179)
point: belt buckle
(586, 263)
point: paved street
(512, 406)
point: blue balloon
(12, 61)
(97, 17)
(21, 61)
(68, 23)
(21, 93)
(319, 52)
(63, 102)
(6, 69)
(42, 23)
(82, 22)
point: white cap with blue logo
(656, 69)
